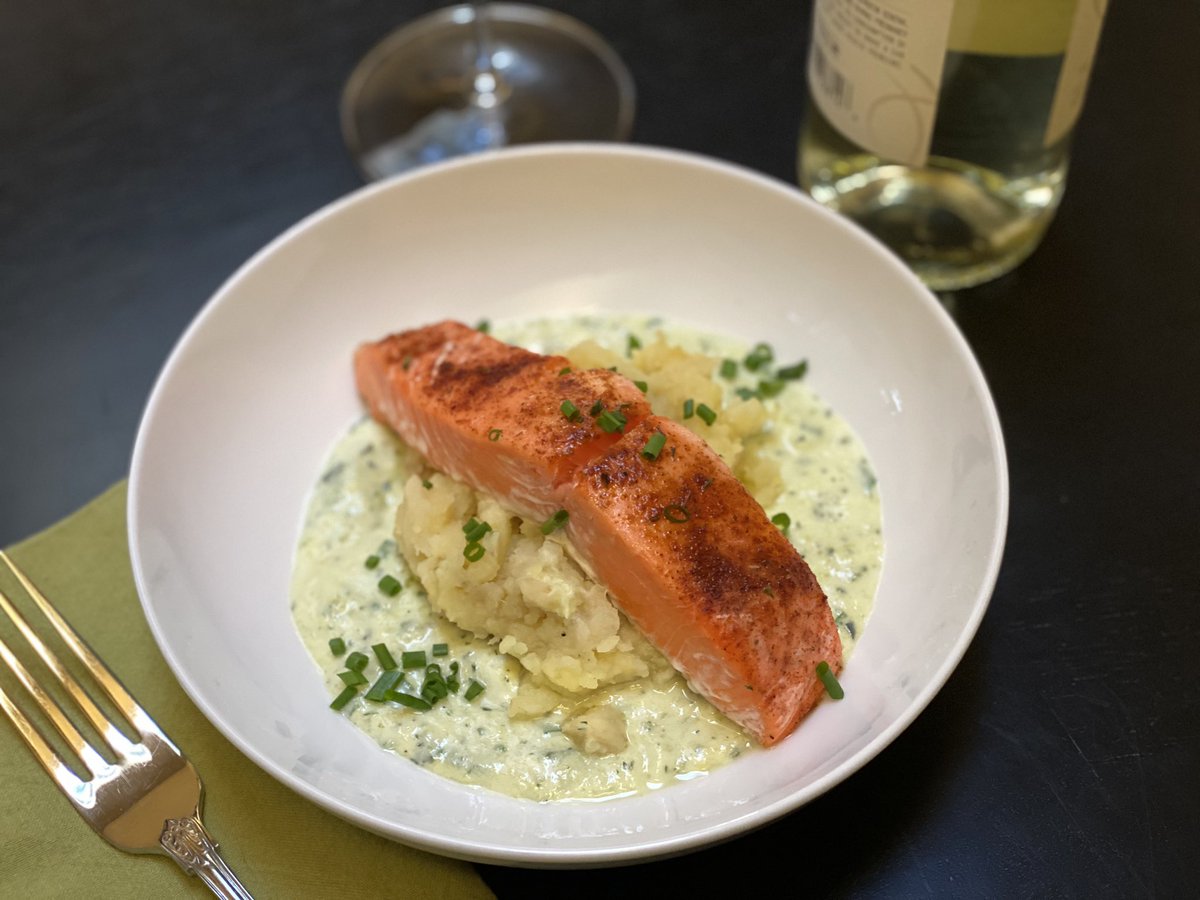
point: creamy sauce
(673, 734)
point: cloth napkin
(278, 843)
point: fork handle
(188, 842)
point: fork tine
(93, 760)
(104, 677)
(57, 769)
(116, 741)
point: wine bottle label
(875, 68)
(1076, 69)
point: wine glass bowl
(474, 77)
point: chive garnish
(570, 410)
(475, 531)
(706, 413)
(352, 678)
(793, 373)
(555, 522)
(484, 326)
(770, 387)
(781, 520)
(565, 370)
(747, 393)
(406, 362)
(384, 683)
(597, 408)
(611, 421)
(427, 484)
(642, 386)
(389, 585)
(337, 646)
(408, 700)
(474, 551)
(832, 687)
(759, 357)
(494, 435)
(654, 445)
(728, 368)
(357, 661)
(676, 513)
(474, 689)
(371, 561)
(633, 344)
(413, 659)
(689, 408)
(344, 697)
(441, 649)
(386, 660)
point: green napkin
(279, 844)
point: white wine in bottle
(943, 126)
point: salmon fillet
(684, 549)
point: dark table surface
(148, 148)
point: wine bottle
(944, 126)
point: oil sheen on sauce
(674, 735)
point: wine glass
(479, 76)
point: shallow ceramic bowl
(260, 387)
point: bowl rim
(642, 851)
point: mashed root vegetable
(528, 593)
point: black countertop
(147, 149)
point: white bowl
(260, 386)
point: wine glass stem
(485, 84)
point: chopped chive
(406, 362)
(474, 689)
(441, 649)
(352, 678)
(793, 373)
(344, 697)
(705, 412)
(570, 410)
(389, 585)
(611, 421)
(832, 687)
(474, 551)
(771, 387)
(555, 522)
(357, 661)
(371, 561)
(494, 435)
(654, 445)
(565, 370)
(758, 357)
(413, 659)
(337, 646)
(689, 408)
(642, 386)
(427, 484)
(747, 393)
(408, 700)
(677, 514)
(634, 344)
(597, 408)
(386, 660)
(782, 520)
(434, 687)
(484, 326)
(475, 531)
(728, 368)
(384, 683)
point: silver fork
(149, 801)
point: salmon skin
(686, 552)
